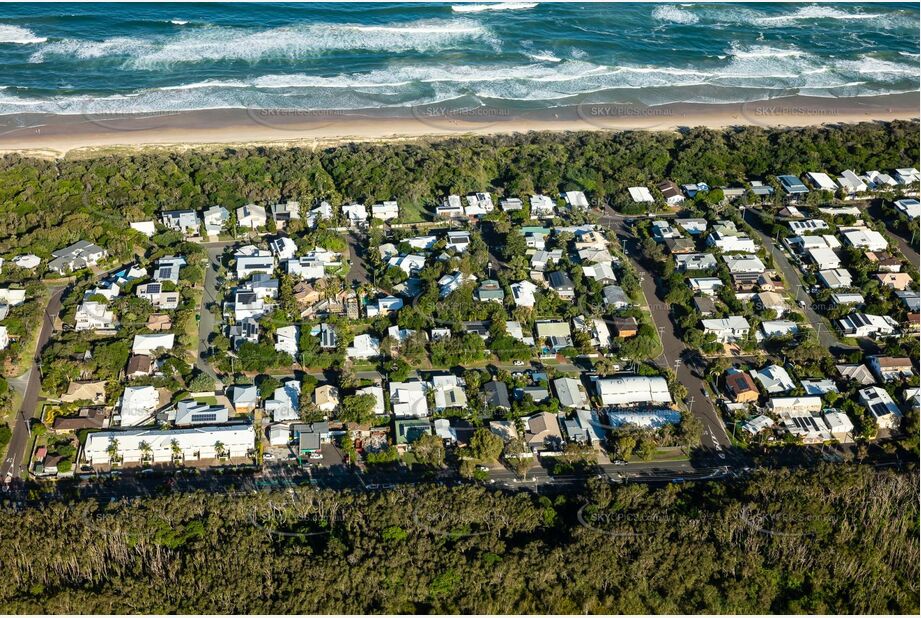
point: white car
(518, 363)
(316, 455)
(268, 456)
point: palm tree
(146, 451)
(220, 450)
(112, 451)
(176, 450)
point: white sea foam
(19, 35)
(673, 14)
(544, 56)
(214, 43)
(499, 6)
(814, 12)
(178, 22)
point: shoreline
(55, 136)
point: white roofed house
(215, 218)
(355, 214)
(478, 204)
(458, 240)
(364, 346)
(727, 330)
(385, 211)
(523, 293)
(640, 195)
(744, 264)
(708, 286)
(283, 247)
(305, 267)
(824, 258)
(168, 268)
(92, 315)
(283, 214)
(821, 181)
(865, 238)
(383, 306)
(510, 204)
(907, 175)
(448, 391)
(728, 239)
(852, 183)
(836, 278)
(137, 405)
(147, 228)
(880, 181)
(881, 407)
(160, 446)
(868, 325)
(252, 262)
(615, 297)
(910, 207)
(190, 412)
(378, 393)
(147, 344)
(251, 216)
(285, 402)
(774, 379)
(693, 226)
(286, 338)
(450, 208)
(807, 226)
(633, 391)
(185, 221)
(409, 264)
(695, 261)
(571, 393)
(323, 212)
(576, 199)
(421, 242)
(408, 399)
(4, 338)
(542, 207)
(808, 427)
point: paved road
(358, 265)
(827, 337)
(908, 248)
(689, 364)
(11, 468)
(206, 321)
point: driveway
(206, 322)
(358, 266)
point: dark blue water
(73, 58)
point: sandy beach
(46, 135)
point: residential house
(562, 284)
(139, 366)
(185, 221)
(283, 247)
(458, 240)
(147, 344)
(881, 407)
(451, 208)
(490, 291)
(541, 259)
(821, 181)
(513, 328)
(576, 199)
(190, 412)
(244, 397)
(774, 379)
(840, 426)
(819, 387)
(865, 238)
(625, 327)
(93, 315)
(708, 286)
(792, 185)
(910, 207)
(890, 369)
(727, 330)
(836, 279)
(251, 216)
(554, 335)
(632, 391)
(640, 195)
(744, 264)
(778, 328)
(286, 338)
(410, 264)
(137, 405)
(571, 393)
(542, 432)
(326, 398)
(478, 204)
(81, 254)
(805, 426)
(147, 228)
(795, 405)
(244, 331)
(283, 214)
(156, 296)
(385, 211)
(284, 405)
(662, 230)
(602, 273)
(523, 293)
(695, 261)
(250, 260)
(408, 430)
(495, 395)
(542, 207)
(678, 246)
(92, 392)
(355, 214)
(215, 218)
(615, 297)
(448, 391)
(868, 325)
(670, 192)
(694, 227)
(740, 387)
(511, 204)
(809, 226)
(364, 346)
(408, 399)
(896, 281)
(856, 373)
(378, 393)
(770, 300)
(383, 306)
(168, 268)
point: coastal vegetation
(50, 204)
(836, 539)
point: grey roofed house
(856, 373)
(184, 221)
(561, 282)
(911, 299)
(792, 185)
(570, 393)
(760, 189)
(537, 393)
(614, 296)
(677, 246)
(246, 330)
(244, 396)
(328, 338)
(496, 395)
(78, 255)
(704, 305)
(191, 412)
(167, 268)
(490, 290)
(477, 328)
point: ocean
(143, 58)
